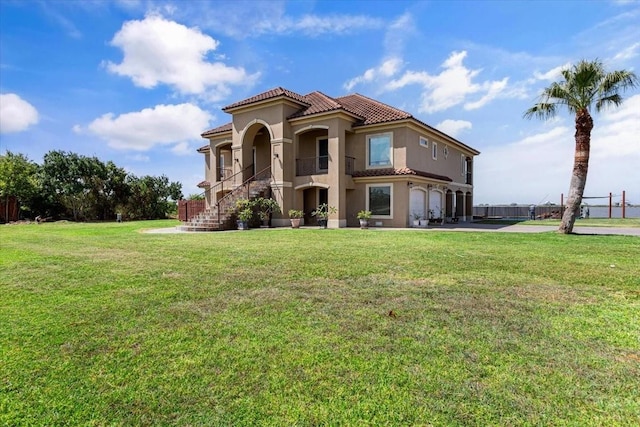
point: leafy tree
(585, 85)
(18, 179)
(64, 178)
(152, 197)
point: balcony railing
(225, 173)
(320, 166)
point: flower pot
(322, 223)
(295, 222)
(364, 223)
(243, 225)
(416, 223)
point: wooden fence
(14, 210)
(187, 209)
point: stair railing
(241, 187)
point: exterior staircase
(209, 220)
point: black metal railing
(225, 173)
(320, 165)
(245, 186)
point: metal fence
(553, 211)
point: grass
(104, 325)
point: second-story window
(379, 150)
(323, 154)
(434, 151)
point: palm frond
(542, 110)
(585, 85)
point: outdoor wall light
(276, 156)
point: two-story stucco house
(352, 152)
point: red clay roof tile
(220, 129)
(272, 93)
(399, 171)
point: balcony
(224, 173)
(320, 165)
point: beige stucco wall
(298, 139)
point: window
(434, 150)
(446, 151)
(323, 154)
(380, 200)
(463, 164)
(424, 142)
(379, 149)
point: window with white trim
(445, 150)
(379, 150)
(380, 200)
(463, 164)
(434, 150)
(424, 142)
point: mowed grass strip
(104, 325)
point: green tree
(152, 197)
(584, 86)
(18, 178)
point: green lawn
(103, 325)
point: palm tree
(586, 84)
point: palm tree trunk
(584, 124)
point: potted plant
(295, 216)
(435, 220)
(266, 207)
(364, 217)
(322, 213)
(244, 209)
(416, 219)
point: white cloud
(236, 19)
(337, 24)
(387, 69)
(453, 127)
(16, 114)
(627, 53)
(453, 86)
(143, 130)
(182, 149)
(529, 170)
(539, 165)
(159, 51)
(551, 75)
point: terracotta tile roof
(399, 171)
(220, 129)
(370, 110)
(203, 149)
(204, 184)
(273, 93)
(366, 110)
(318, 103)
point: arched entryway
(254, 155)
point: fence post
(610, 205)
(624, 203)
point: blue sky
(136, 82)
